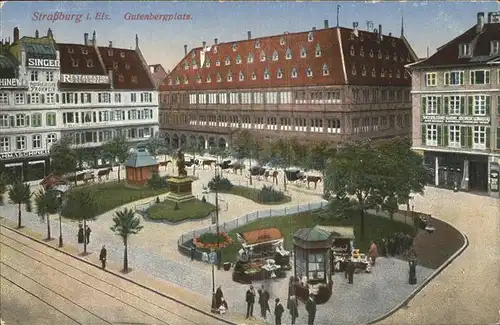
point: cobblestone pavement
(468, 290)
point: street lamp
(60, 190)
(219, 255)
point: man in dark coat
(250, 300)
(218, 297)
(350, 271)
(102, 256)
(87, 234)
(311, 309)
(81, 235)
(278, 311)
(263, 301)
(293, 308)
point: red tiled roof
(127, 67)
(448, 54)
(331, 55)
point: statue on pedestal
(181, 165)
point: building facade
(331, 84)
(84, 91)
(456, 109)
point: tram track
(27, 249)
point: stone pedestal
(180, 189)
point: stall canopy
(339, 232)
(259, 237)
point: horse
(165, 164)
(257, 171)
(273, 174)
(208, 162)
(104, 172)
(191, 162)
(238, 166)
(311, 179)
(88, 176)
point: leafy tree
(318, 154)
(63, 158)
(126, 224)
(196, 149)
(284, 153)
(154, 145)
(3, 186)
(219, 153)
(81, 205)
(116, 151)
(157, 182)
(246, 145)
(47, 203)
(20, 193)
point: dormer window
(395, 57)
(122, 55)
(318, 50)
(282, 40)
(387, 55)
(288, 54)
(465, 50)
(254, 76)
(310, 37)
(379, 54)
(215, 49)
(238, 59)
(177, 80)
(407, 74)
(169, 80)
(229, 76)
(361, 36)
(351, 50)
(398, 74)
(408, 59)
(393, 43)
(242, 76)
(227, 61)
(198, 79)
(262, 56)
(134, 79)
(115, 65)
(186, 81)
(390, 73)
(85, 51)
(371, 53)
(361, 51)
(110, 52)
(353, 69)
(195, 64)
(90, 63)
(127, 66)
(122, 79)
(309, 72)
(351, 37)
(186, 65)
(401, 58)
(217, 63)
(71, 50)
(74, 63)
(219, 78)
(382, 72)
(250, 58)
(275, 55)
(266, 74)
(294, 73)
(257, 44)
(279, 74)
(207, 63)
(193, 55)
(303, 53)
(374, 72)
(326, 71)
(235, 46)
(495, 47)
(209, 79)
(363, 71)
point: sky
(427, 24)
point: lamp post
(60, 190)
(218, 255)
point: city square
(268, 180)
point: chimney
(16, 34)
(326, 23)
(390, 34)
(136, 41)
(215, 41)
(249, 34)
(379, 32)
(355, 28)
(49, 33)
(490, 17)
(37, 34)
(110, 44)
(204, 44)
(314, 28)
(110, 76)
(86, 39)
(94, 40)
(185, 50)
(480, 22)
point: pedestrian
(250, 300)
(80, 234)
(218, 297)
(293, 308)
(350, 271)
(102, 256)
(192, 252)
(278, 311)
(386, 247)
(311, 309)
(87, 234)
(373, 252)
(264, 302)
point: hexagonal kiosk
(312, 264)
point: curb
(429, 279)
(123, 277)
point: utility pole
(338, 12)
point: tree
(219, 153)
(154, 145)
(20, 193)
(246, 146)
(195, 148)
(63, 158)
(3, 186)
(47, 203)
(318, 154)
(117, 152)
(126, 224)
(81, 205)
(284, 153)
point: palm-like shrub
(47, 203)
(220, 184)
(126, 224)
(20, 193)
(268, 194)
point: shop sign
(43, 87)
(84, 79)
(43, 63)
(456, 119)
(10, 83)
(23, 154)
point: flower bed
(211, 240)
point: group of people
(279, 310)
(399, 244)
(83, 234)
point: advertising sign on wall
(456, 119)
(43, 63)
(23, 154)
(84, 79)
(43, 87)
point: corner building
(456, 109)
(330, 84)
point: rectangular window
(479, 139)
(4, 144)
(86, 98)
(36, 120)
(4, 98)
(498, 138)
(456, 104)
(49, 76)
(480, 77)
(20, 98)
(36, 141)
(21, 142)
(104, 98)
(432, 105)
(133, 97)
(51, 119)
(34, 75)
(432, 135)
(431, 79)
(454, 136)
(495, 48)
(49, 98)
(464, 50)
(6, 121)
(22, 120)
(146, 97)
(454, 78)
(118, 98)
(481, 105)
(34, 98)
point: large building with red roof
(330, 83)
(88, 92)
(456, 108)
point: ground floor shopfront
(26, 169)
(466, 172)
